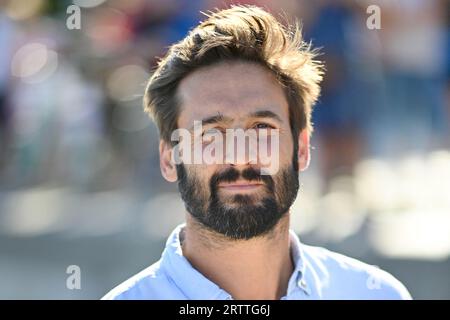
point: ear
(303, 150)
(167, 166)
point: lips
(240, 186)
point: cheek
(284, 152)
(201, 175)
(288, 152)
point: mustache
(231, 175)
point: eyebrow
(266, 114)
(215, 119)
(219, 117)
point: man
(240, 69)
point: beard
(239, 216)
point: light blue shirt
(318, 274)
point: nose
(240, 149)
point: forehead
(234, 89)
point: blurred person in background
(413, 52)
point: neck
(258, 268)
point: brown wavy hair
(244, 33)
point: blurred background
(79, 174)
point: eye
(209, 135)
(261, 125)
(212, 131)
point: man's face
(233, 198)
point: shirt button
(303, 286)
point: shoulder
(151, 283)
(341, 277)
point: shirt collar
(297, 279)
(197, 287)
